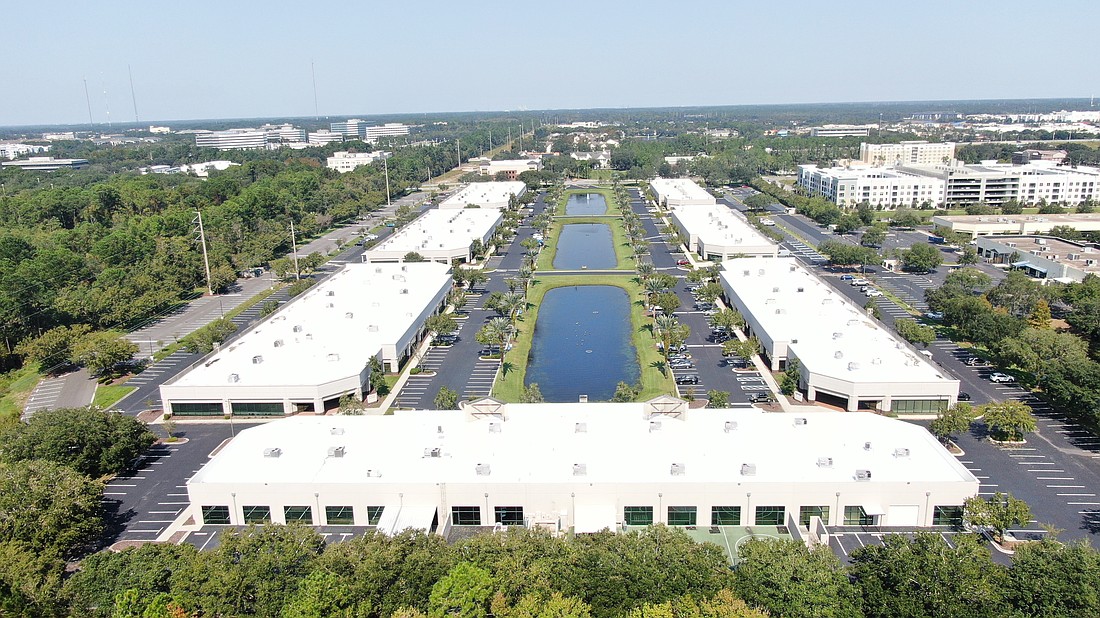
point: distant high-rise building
(324, 136)
(233, 139)
(284, 133)
(907, 153)
(349, 128)
(390, 129)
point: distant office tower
(907, 153)
(233, 139)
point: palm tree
(653, 286)
(512, 304)
(665, 325)
(645, 270)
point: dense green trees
(93, 442)
(52, 509)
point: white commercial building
(996, 183)
(390, 129)
(886, 187)
(284, 133)
(485, 194)
(583, 467)
(317, 348)
(672, 192)
(322, 137)
(10, 150)
(46, 164)
(717, 233)
(845, 357)
(233, 139)
(347, 161)
(352, 127)
(1042, 257)
(984, 225)
(842, 130)
(511, 168)
(907, 153)
(439, 235)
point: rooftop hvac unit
(901, 452)
(1090, 262)
(837, 335)
(329, 305)
(792, 268)
(494, 427)
(824, 462)
(482, 469)
(761, 272)
(580, 428)
(678, 469)
(801, 289)
(273, 452)
(256, 360)
(335, 451)
(1073, 256)
(349, 315)
(332, 358)
(278, 343)
(378, 270)
(745, 273)
(435, 452)
(863, 475)
(330, 293)
(775, 289)
(654, 426)
(1040, 241)
(730, 426)
(234, 378)
(838, 355)
(376, 474)
(580, 469)
(297, 328)
(404, 290)
(853, 366)
(800, 421)
(748, 469)
(336, 431)
(372, 328)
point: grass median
(510, 383)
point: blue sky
(231, 59)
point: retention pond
(582, 344)
(585, 204)
(585, 245)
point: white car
(1001, 378)
(859, 281)
(872, 293)
(767, 222)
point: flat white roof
(829, 334)
(330, 332)
(484, 194)
(1061, 219)
(678, 189)
(441, 230)
(718, 226)
(614, 442)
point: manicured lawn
(15, 388)
(509, 386)
(624, 254)
(107, 396)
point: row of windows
(254, 514)
(632, 515)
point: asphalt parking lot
(143, 503)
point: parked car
(964, 396)
(683, 262)
(1001, 378)
(681, 365)
(759, 397)
(846, 278)
(860, 281)
(873, 293)
(975, 361)
(933, 315)
(688, 378)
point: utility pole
(490, 140)
(458, 146)
(205, 257)
(294, 247)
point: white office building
(1042, 257)
(317, 348)
(287, 133)
(9, 150)
(485, 195)
(717, 233)
(842, 130)
(996, 183)
(344, 162)
(352, 128)
(884, 187)
(846, 358)
(233, 139)
(583, 468)
(512, 168)
(907, 153)
(439, 235)
(372, 134)
(45, 164)
(1022, 225)
(672, 192)
(322, 137)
